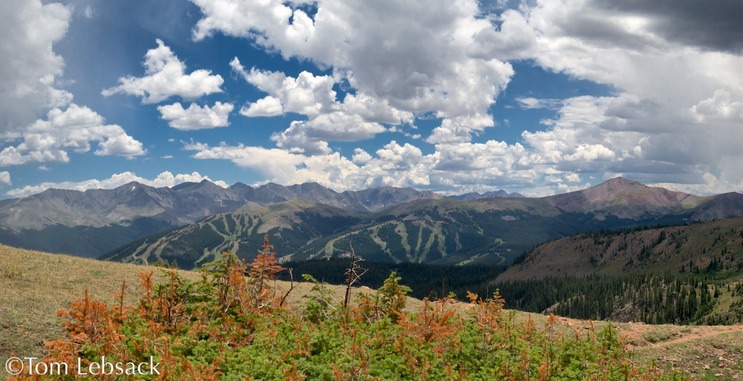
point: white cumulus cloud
(30, 82)
(672, 114)
(402, 59)
(358, 117)
(30, 68)
(394, 164)
(306, 94)
(71, 129)
(721, 106)
(196, 117)
(166, 77)
(4, 178)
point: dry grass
(36, 285)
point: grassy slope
(36, 285)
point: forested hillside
(679, 274)
(713, 247)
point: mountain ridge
(443, 230)
(96, 221)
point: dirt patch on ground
(706, 352)
(703, 352)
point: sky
(454, 96)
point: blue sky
(537, 97)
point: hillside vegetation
(312, 337)
(679, 274)
(703, 247)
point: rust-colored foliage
(487, 313)
(262, 271)
(436, 322)
(229, 326)
(94, 328)
(265, 266)
(90, 321)
(230, 286)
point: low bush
(229, 326)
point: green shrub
(231, 327)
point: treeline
(650, 298)
(432, 281)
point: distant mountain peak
(189, 184)
(615, 187)
(311, 184)
(619, 186)
(625, 198)
(271, 184)
(622, 181)
(129, 185)
(491, 194)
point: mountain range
(492, 230)
(193, 222)
(96, 221)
